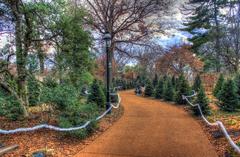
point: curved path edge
(150, 128)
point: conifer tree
(34, 90)
(159, 89)
(124, 85)
(177, 83)
(149, 90)
(96, 94)
(218, 86)
(206, 16)
(199, 19)
(173, 82)
(155, 81)
(202, 100)
(197, 83)
(237, 82)
(183, 89)
(229, 100)
(165, 78)
(168, 90)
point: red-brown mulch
(56, 143)
(216, 137)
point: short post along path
(150, 128)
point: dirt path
(150, 128)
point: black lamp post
(107, 38)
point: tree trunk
(20, 61)
(13, 93)
(237, 34)
(41, 61)
(217, 31)
(40, 54)
(111, 51)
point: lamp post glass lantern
(107, 39)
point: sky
(4, 33)
(173, 35)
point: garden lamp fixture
(107, 38)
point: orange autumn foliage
(101, 68)
(177, 61)
(209, 80)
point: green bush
(130, 85)
(50, 82)
(159, 89)
(237, 82)
(219, 86)
(10, 107)
(155, 81)
(229, 100)
(123, 84)
(149, 90)
(174, 82)
(197, 83)
(34, 91)
(182, 89)
(165, 78)
(97, 95)
(119, 82)
(77, 115)
(202, 100)
(73, 112)
(168, 92)
(62, 96)
(86, 79)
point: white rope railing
(217, 123)
(51, 127)
(119, 100)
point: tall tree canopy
(38, 23)
(214, 25)
(131, 23)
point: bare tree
(178, 61)
(231, 41)
(131, 23)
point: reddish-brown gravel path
(150, 128)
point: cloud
(172, 25)
(178, 38)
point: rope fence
(217, 123)
(51, 127)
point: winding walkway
(150, 128)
